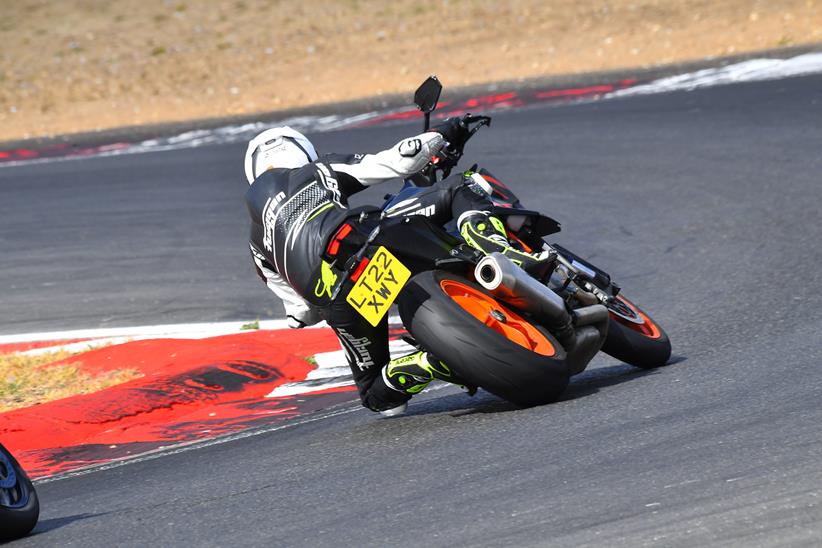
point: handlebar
(449, 156)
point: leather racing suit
(296, 212)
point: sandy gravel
(80, 65)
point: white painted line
(305, 387)
(328, 372)
(222, 135)
(330, 360)
(746, 71)
(332, 371)
(177, 331)
(77, 347)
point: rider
(298, 203)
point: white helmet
(278, 147)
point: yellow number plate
(378, 286)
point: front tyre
(19, 506)
(485, 342)
(634, 337)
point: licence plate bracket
(378, 286)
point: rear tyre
(485, 342)
(19, 506)
(635, 338)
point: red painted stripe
(204, 423)
(191, 389)
(58, 150)
(490, 99)
(574, 92)
(402, 115)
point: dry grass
(23, 382)
(83, 65)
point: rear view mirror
(428, 95)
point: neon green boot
(486, 232)
(412, 373)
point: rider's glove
(413, 154)
(454, 130)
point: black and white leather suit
(294, 214)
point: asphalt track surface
(704, 205)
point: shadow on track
(585, 384)
(48, 525)
(590, 382)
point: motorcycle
(519, 335)
(19, 505)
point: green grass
(250, 326)
(24, 380)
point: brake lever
(482, 121)
(449, 158)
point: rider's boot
(412, 373)
(486, 232)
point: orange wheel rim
(647, 327)
(507, 323)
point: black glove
(454, 130)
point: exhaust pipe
(504, 279)
(581, 333)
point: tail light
(339, 236)
(359, 270)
